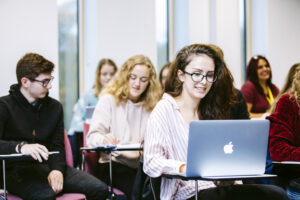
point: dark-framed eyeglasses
(44, 82)
(198, 77)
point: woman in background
(287, 85)
(163, 74)
(199, 87)
(259, 91)
(120, 117)
(105, 71)
(284, 139)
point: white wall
(218, 22)
(283, 44)
(200, 22)
(276, 33)
(259, 27)
(228, 36)
(123, 29)
(27, 26)
(181, 25)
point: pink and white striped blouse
(165, 149)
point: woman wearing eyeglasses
(259, 91)
(199, 87)
(120, 117)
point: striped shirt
(165, 150)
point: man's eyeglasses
(197, 77)
(44, 82)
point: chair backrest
(68, 150)
(86, 127)
(91, 158)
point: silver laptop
(225, 148)
(89, 110)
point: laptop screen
(89, 112)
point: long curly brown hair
(216, 104)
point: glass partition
(68, 56)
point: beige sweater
(127, 122)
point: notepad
(53, 152)
(14, 155)
(129, 146)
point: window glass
(68, 56)
(162, 32)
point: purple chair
(66, 196)
(69, 161)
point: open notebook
(134, 146)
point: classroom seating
(69, 162)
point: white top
(127, 122)
(165, 149)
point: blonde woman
(121, 115)
(287, 85)
(284, 140)
(105, 71)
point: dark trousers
(30, 183)
(243, 192)
(76, 142)
(123, 176)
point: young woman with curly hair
(121, 115)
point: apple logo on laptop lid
(228, 148)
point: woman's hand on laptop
(182, 169)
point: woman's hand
(182, 168)
(110, 139)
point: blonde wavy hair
(295, 91)
(287, 86)
(97, 84)
(119, 86)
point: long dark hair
(216, 104)
(252, 73)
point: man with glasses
(31, 123)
